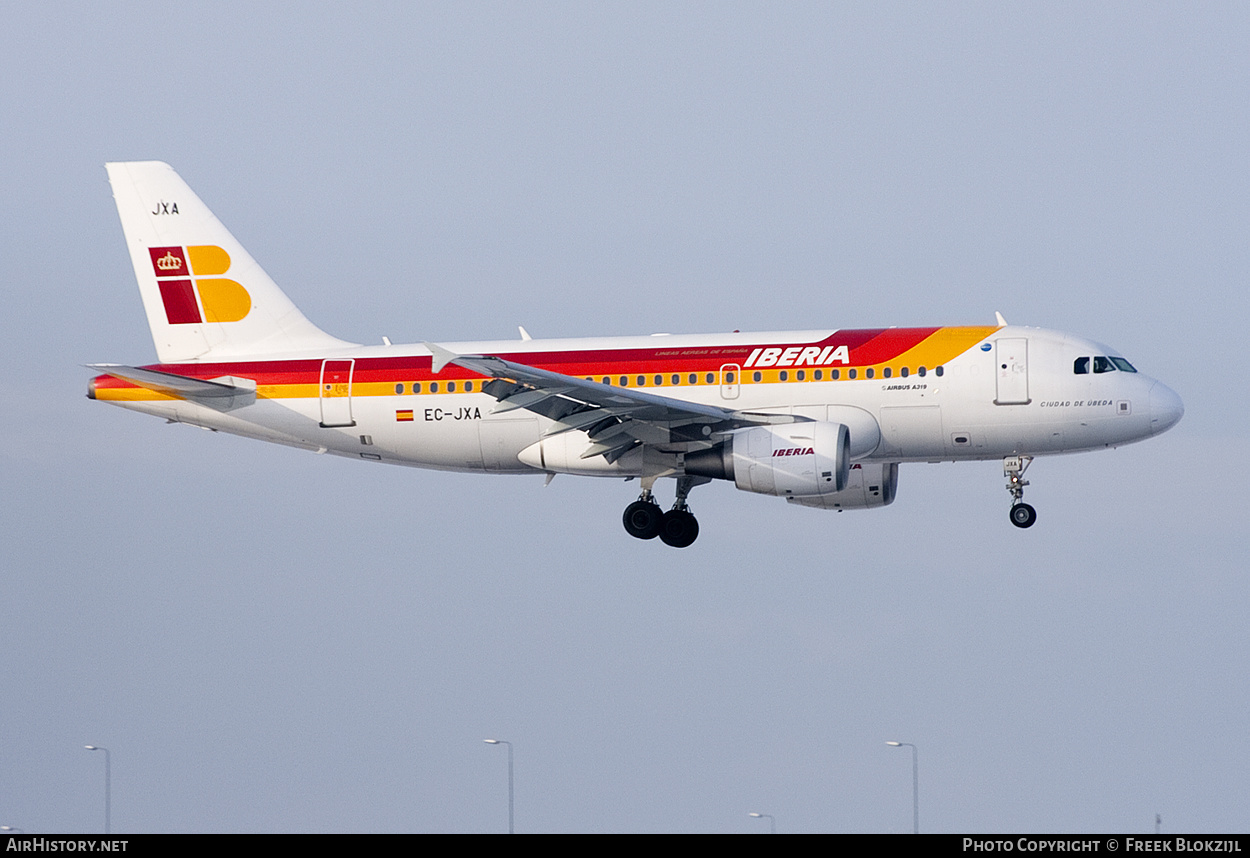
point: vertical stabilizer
(205, 297)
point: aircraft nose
(1166, 408)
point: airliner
(822, 418)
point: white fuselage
(987, 403)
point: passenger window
(800, 375)
(757, 375)
(1080, 366)
(818, 374)
(711, 378)
(941, 370)
(399, 388)
(416, 387)
(451, 387)
(642, 381)
(624, 381)
(729, 378)
(850, 373)
(920, 372)
(676, 378)
(835, 374)
(903, 372)
(885, 373)
(783, 375)
(468, 386)
(433, 387)
(607, 380)
(659, 380)
(694, 378)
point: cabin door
(1011, 366)
(336, 393)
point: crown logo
(169, 262)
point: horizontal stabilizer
(221, 394)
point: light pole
(108, 787)
(772, 820)
(915, 784)
(509, 744)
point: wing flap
(616, 418)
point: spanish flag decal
(403, 416)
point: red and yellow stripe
(382, 376)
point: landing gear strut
(1022, 515)
(678, 527)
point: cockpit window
(1102, 363)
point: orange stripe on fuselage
(300, 379)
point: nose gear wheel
(1022, 515)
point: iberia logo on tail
(207, 298)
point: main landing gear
(678, 527)
(1022, 515)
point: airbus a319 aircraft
(821, 418)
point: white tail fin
(205, 297)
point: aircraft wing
(223, 394)
(616, 419)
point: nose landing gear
(1022, 515)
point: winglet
(439, 356)
(1002, 323)
(525, 335)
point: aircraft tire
(1023, 515)
(642, 519)
(679, 528)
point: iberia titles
(799, 356)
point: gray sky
(273, 641)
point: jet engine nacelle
(869, 485)
(787, 460)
